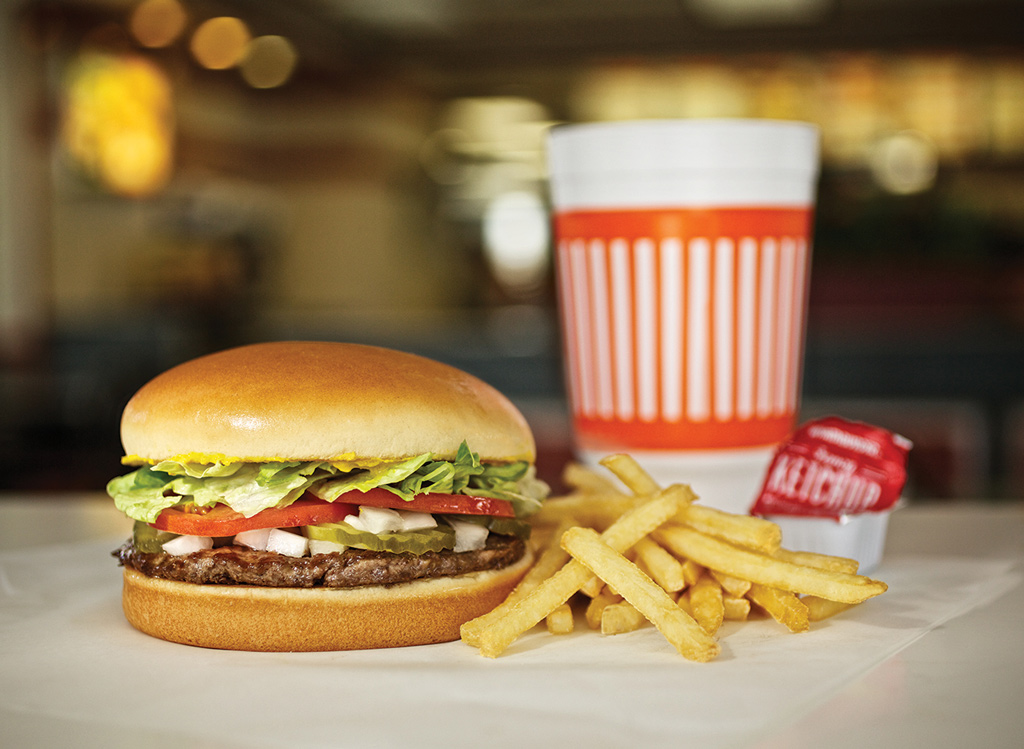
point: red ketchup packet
(832, 468)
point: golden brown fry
(595, 585)
(592, 587)
(597, 606)
(736, 609)
(552, 559)
(683, 602)
(500, 630)
(820, 561)
(691, 572)
(688, 638)
(586, 480)
(560, 621)
(662, 567)
(822, 608)
(618, 618)
(782, 606)
(732, 585)
(742, 530)
(769, 571)
(631, 474)
(706, 603)
(507, 622)
(593, 510)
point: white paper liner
(72, 669)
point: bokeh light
(220, 43)
(157, 23)
(904, 163)
(119, 123)
(268, 62)
(516, 237)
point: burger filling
(238, 565)
(232, 521)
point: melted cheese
(344, 463)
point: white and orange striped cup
(683, 256)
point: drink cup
(683, 257)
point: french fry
(619, 618)
(552, 559)
(659, 557)
(706, 603)
(685, 635)
(593, 510)
(782, 606)
(736, 609)
(595, 585)
(691, 572)
(683, 602)
(595, 609)
(742, 530)
(592, 587)
(662, 567)
(631, 474)
(769, 571)
(505, 623)
(734, 586)
(586, 480)
(819, 609)
(820, 561)
(560, 621)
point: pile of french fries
(650, 554)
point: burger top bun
(319, 401)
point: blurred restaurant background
(180, 176)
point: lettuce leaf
(249, 488)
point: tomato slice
(453, 504)
(221, 520)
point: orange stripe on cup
(684, 328)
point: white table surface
(953, 677)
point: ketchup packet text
(832, 468)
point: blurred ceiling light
(904, 163)
(220, 43)
(412, 16)
(506, 127)
(157, 23)
(759, 12)
(118, 123)
(268, 62)
(516, 237)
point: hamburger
(299, 496)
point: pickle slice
(399, 542)
(148, 539)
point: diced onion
(468, 536)
(387, 520)
(288, 544)
(254, 539)
(417, 521)
(187, 545)
(324, 547)
(378, 520)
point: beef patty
(238, 565)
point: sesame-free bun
(242, 617)
(319, 401)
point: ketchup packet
(833, 468)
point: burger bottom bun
(241, 617)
